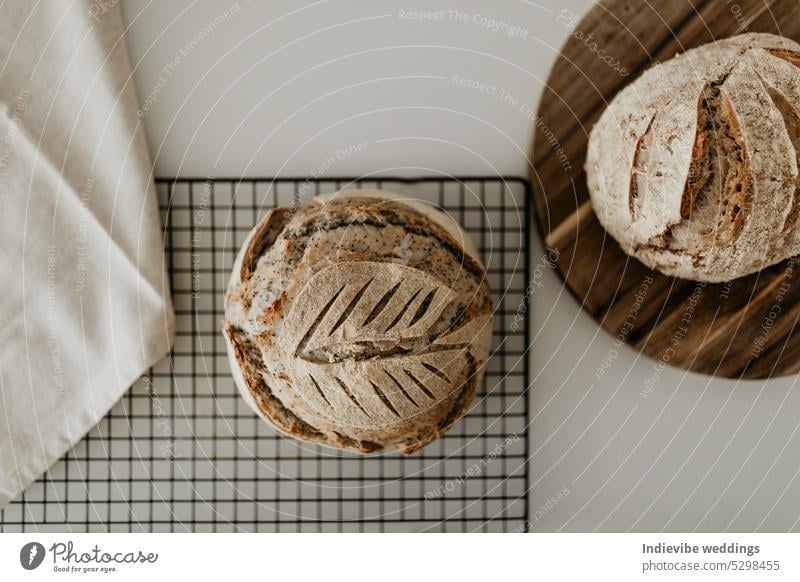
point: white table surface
(280, 87)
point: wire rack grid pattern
(181, 451)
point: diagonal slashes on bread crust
(337, 341)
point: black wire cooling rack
(181, 451)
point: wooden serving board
(747, 328)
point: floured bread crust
(693, 168)
(358, 321)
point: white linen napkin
(84, 298)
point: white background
(277, 87)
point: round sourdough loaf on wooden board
(744, 328)
(693, 167)
(358, 321)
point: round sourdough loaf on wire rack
(358, 321)
(693, 168)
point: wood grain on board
(746, 328)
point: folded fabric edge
(29, 472)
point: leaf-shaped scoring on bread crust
(380, 391)
(364, 301)
(364, 349)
